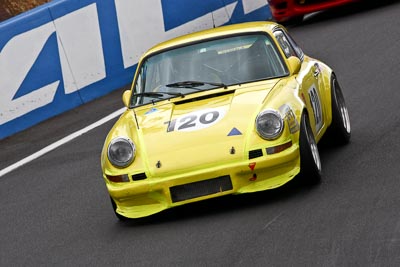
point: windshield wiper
(158, 94)
(172, 93)
(150, 94)
(193, 84)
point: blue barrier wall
(68, 52)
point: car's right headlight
(121, 151)
(269, 124)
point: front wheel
(310, 161)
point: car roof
(247, 27)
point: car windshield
(207, 65)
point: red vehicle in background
(294, 10)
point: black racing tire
(310, 161)
(119, 216)
(340, 129)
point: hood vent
(204, 97)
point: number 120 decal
(196, 120)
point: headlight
(269, 124)
(121, 152)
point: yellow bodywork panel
(204, 144)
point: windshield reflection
(207, 65)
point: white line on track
(61, 142)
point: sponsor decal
(151, 111)
(197, 120)
(234, 132)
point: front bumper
(145, 197)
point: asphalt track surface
(55, 210)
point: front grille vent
(139, 176)
(255, 153)
(201, 188)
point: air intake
(201, 188)
(139, 176)
(255, 153)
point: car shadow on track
(225, 204)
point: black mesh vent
(139, 176)
(255, 153)
(202, 188)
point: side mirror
(294, 65)
(126, 97)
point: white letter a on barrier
(16, 59)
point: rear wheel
(340, 128)
(310, 161)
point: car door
(309, 79)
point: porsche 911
(230, 110)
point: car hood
(199, 131)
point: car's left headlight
(121, 151)
(269, 124)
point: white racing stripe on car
(61, 142)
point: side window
(284, 44)
(297, 49)
(288, 45)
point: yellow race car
(230, 110)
